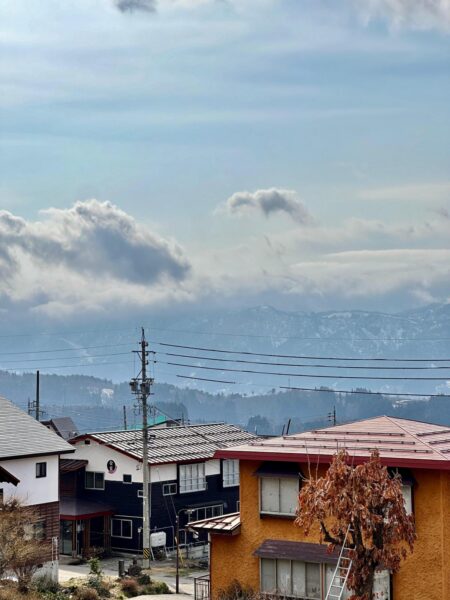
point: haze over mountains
(104, 357)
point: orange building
(262, 548)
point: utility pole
(35, 405)
(141, 386)
(332, 416)
(124, 417)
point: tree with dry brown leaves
(369, 500)
(20, 550)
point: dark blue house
(101, 487)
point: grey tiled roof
(177, 444)
(21, 435)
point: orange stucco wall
(425, 575)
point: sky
(195, 154)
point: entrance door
(66, 537)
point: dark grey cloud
(130, 6)
(269, 201)
(94, 238)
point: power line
(305, 375)
(365, 392)
(204, 379)
(61, 333)
(62, 349)
(39, 360)
(50, 367)
(318, 366)
(300, 356)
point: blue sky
(163, 116)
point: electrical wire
(315, 366)
(62, 349)
(305, 375)
(364, 392)
(39, 360)
(301, 356)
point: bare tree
(21, 550)
(370, 501)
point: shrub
(157, 587)
(45, 583)
(236, 591)
(134, 570)
(99, 585)
(130, 587)
(95, 567)
(86, 593)
(144, 579)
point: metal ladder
(340, 575)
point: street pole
(141, 386)
(189, 512)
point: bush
(45, 583)
(100, 586)
(134, 570)
(86, 593)
(157, 587)
(130, 587)
(236, 591)
(95, 567)
(144, 579)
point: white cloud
(421, 192)
(268, 202)
(419, 14)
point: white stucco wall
(98, 456)
(32, 490)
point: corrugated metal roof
(400, 442)
(303, 551)
(176, 444)
(224, 524)
(21, 435)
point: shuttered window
(278, 496)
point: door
(66, 537)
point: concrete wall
(425, 575)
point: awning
(7, 477)
(229, 524)
(72, 509)
(306, 552)
(278, 469)
(67, 465)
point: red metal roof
(400, 442)
(228, 524)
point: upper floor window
(41, 469)
(127, 479)
(407, 497)
(278, 495)
(230, 472)
(206, 512)
(94, 481)
(192, 478)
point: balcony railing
(202, 588)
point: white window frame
(86, 487)
(190, 482)
(170, 489)
(407, 492)
(230, 472)
(41, 466)
(279, 512)
(124, 537)
(140, 493)
(322, 591)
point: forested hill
(97, 404)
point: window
(122, 528)
(41, 469)
(407, 497)
(206, 512)
(140, 493)
(40, 530)
(278, 496)
(291, 578)
(87, 442)
(94, 481)
(192, 478)
(127, 479)
(230, 472)
(169, 489)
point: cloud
(130, 6)
(421, 192)
(94, 238)
(418, 14)
(269, 201)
